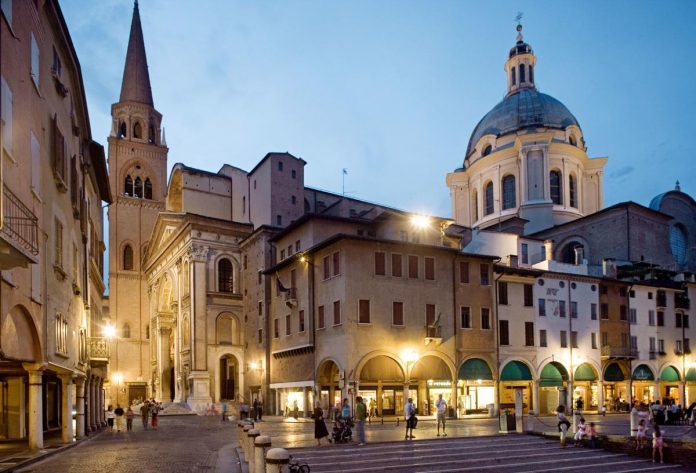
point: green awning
(691, 374)
(585, 372)
(613, 373)
(669, 373)
(475, 369)
(516, 371)
(643, 373)
(551, 376)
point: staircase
(176, 409)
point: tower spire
(136, 79)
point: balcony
(433, 334)
(661, 299)
(618, 352)
(98, 351)
(19, 241)
(681, 301)
(291, 297)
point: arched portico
(381, 377)
(516, 374)
(476, 387)
(586, 387)
(553, 387)
(329, 383)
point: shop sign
(433, 383)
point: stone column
(100, 403)
(535, 397)
(305, 398)
(66, 382)
(600, 395)
(35, 405)
(92, 406)
(657, 393)
(682, 394)
(453, 399)
(80, 406)
(164, 333)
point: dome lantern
(520, 65)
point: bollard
(252, 434)
(276, 459)
(244, 441)
(261, 445)
(529, 427)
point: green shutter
(613, 373)
(643, 373)
(669, 373)
(475, 369)
(516, 371)
(551, 376)
(585, 373)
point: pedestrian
(255, 409)
(260, 410)
(441, 407)
(658, 443)
(154, 413)
(579, 404)
(320, 430)
(145, 413)
(411, 419)
(361, 415)
(295, 409)
(563, 424)
(118, 412)
(580, 433)
(373, 408)
(129, 419)
(223, 408)
(640, 435)
(345, 409)
(593, 435)
(110, 418)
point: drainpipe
(497, 334)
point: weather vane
(518, 19)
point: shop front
(690, 388)
(382, 379)
(585, 387)
(437, 387)
(431, 377)
(515, 375)
(475, 388)
(669, 386)
(615, 387)
(643, 384)
(553, 389)
(294, 399)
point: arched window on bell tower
(151, 134)
(128, 187)
(522, 77)
(148, 189)
(122, 130)
(137, 130)
(514, 76)
(138, 188)
(128, 258)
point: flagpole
(343, 190)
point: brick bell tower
(138, 178)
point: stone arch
(615, 372)
(236, 267)
(138, 130)
(20, 338)
(166, 294)
(328, 372)
(665, 368)
(137, 167)
(482, 374)
(582, 371)
(400, 364)
(449, 373)
(552, 372)
(565, 249)
(227, 329)
(519, 364)
(229, 376)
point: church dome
(525, 108)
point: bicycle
(296, 467)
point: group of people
(149, 411)
(117, 417)
(255, 411)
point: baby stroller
(342, 431)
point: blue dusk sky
(391, 90)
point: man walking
(145, 413)
(410, 416)
(361, 414)
(441, 407)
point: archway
(515, 375)
(476, 390)
(385, 377)
(432, 377)
(330, 384)
(669, 385)
(553, 380)
(585, 387)
(615, 385)
(643, 384)
(229, 377)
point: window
(128, 186)
(634, 343)
(301, 327)
(429, 315)
(293, 173)
(509, 197)
(542, 338)
(487, 150)
(489, 202)
(632, 316)
(293, 200)
(396, 269)
(225, 276)
(504, 332)
(397, 313)
(6, 109)
(483, 268)
(573, 190)
(594, 340)
(337, 313)
(622, 312)
(380, 263)
(529, 334)
(413, 267)
(542, 307)
(125, 331)
(485, 318)
(561, 308)
(279, 220)
(320, 317)
(35, 164)
(574, 339)
(260, 336)
(687, 346)
(288, 324)
(531, 73)
(685, 319)
(61, 334)
(564, 339)
(336, 263)
(34, 61)
(465, 317)
(605, 339)
(326, 268)
(474, 205)
(651, 344)
(138, 188)
(573, 309)
(661, 345)
(280, 166)
(260, 308)
(514, 76)
(429, 268)
(556, 187)
(622, 291)
(650, 295)
(632, 294)
(58, 154)
(605, 311)
(297, 246)
(58, 261)
(651, 318)
(528, 295)
(678, 320)
(276, 329)
(464, 272)
(502, 293)
(289, 250)
(137, 130)
(128, 258)
(522, 74)
(243, 205)
(678, 242)
(524, 247)
(364, 311)
(593, 311)
(148, 189)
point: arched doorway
(669, 385)
(330, 384)
(585, 386)
(515, 375)
(615, 386)
(432, 377)
(553, 387)
(476, 390)
(229, 369)
(384, 376)
(644, 383)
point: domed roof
(526, 108)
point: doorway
(228, 374)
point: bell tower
(138, 178)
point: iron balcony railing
(98, 348)
(433, 332)
(19, 222)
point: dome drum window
(489, 203)
(677, 240)
(556, 187)
(509, 193)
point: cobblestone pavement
(182, 444)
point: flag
(279, 284)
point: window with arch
(509, 195)
(128, 186)
(514, 76)
(148, 189)
(572, 140)
(128, 258)
(137, 130)
(226, 329)
(556, 187)
(531, 73)
(138, 188)
(489, 203)
(569, 251)
(147, 332)
(151, 134)
(677, 240)
(125, 331)
(474, 204)
(522, 74)
(573, 190)
(225, 276)
(487, 150)
(122, 130)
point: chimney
(609, 267)
(579, 255)
(548, 250)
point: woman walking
(320, 430)
(658, 443)
(129, 419)
(563, 424)
(110, 418)
(118, 412)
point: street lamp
(421, 222)
(109, 331)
